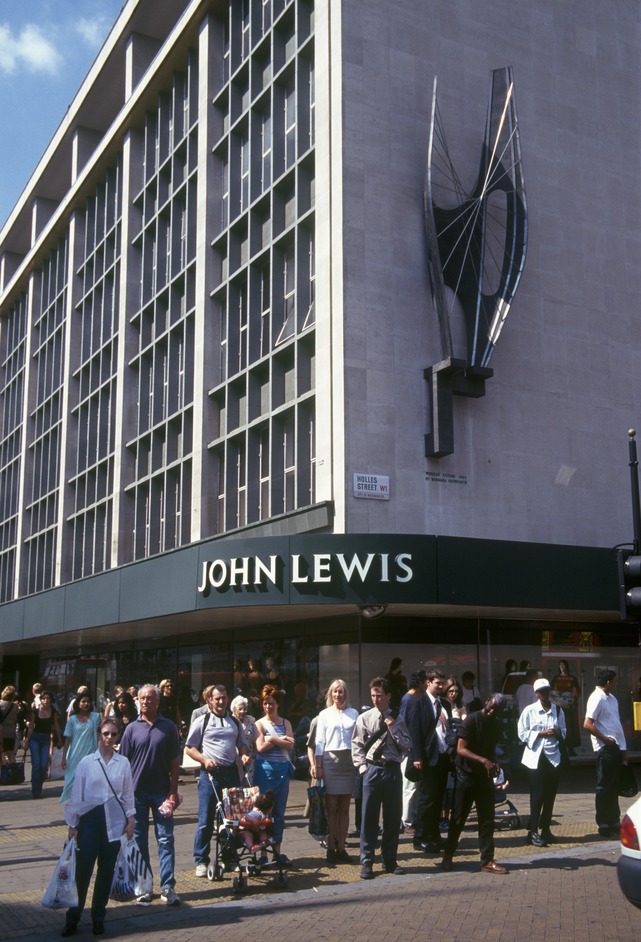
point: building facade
(215, 322)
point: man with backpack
(215, 739)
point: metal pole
(634, 486)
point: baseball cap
(541, 684)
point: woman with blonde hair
(333, 763)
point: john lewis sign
(360, 568)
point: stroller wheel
(215, 872)
(240, 884)
(281, 880)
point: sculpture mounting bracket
(451, 377)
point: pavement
(569, 889)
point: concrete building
(216, 318)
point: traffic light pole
(634, 486)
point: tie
(437, 709)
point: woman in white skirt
(333, 764)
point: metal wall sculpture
(477, 244)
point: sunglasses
(108, 732)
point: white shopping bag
(62, 892)
(56, 771)
(132, 876)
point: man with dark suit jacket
(427, 723)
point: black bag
(412, 774)
(627, 782)
(12, 773)
(318, 825)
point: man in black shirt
(476, 768)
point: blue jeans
(224, 777)
(274, 775)
(164, 831)
(39, 748)
(93, 844)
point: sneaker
(145, 899)
(366, 872)
(170, 896)
(201, 870)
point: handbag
(62, 892)
(627, 782)
(318, 825)
(12, 773)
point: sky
(46, 49)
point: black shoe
(536, 840)
(366, 872)
(98, 927)
(343, 857)
(69, 928)
(548, 836)
(396, 870)
(331, 856)
(428, 847)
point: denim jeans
(164, 831)
(224, 777)
(93, 844)
(39, 749)
(274, 775)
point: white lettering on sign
(320, 568)
(442, 477)
(374, 486)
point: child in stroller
(254, 825)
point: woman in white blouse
(333, 764)
(101, 810)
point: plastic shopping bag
(132, 876)
(56, 771)
(62, 892)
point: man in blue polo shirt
(216, 739)
(152, 746)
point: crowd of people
(416, 761)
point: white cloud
(29, 49)
(92, 30)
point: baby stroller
(231, 855)
(505, 813)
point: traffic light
(629, 566)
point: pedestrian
(427, 725)
(80, 739)
(542, 728)
(43, 726)
(169, 705)
(334, 767)
(409, 702)
(9, 709)
(152, 746)
(476, 768)
(100, 810)
(215, 740)
(274, 767)
(239, 707)
(380, 741)
(608, 741)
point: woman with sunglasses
(101, 809)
